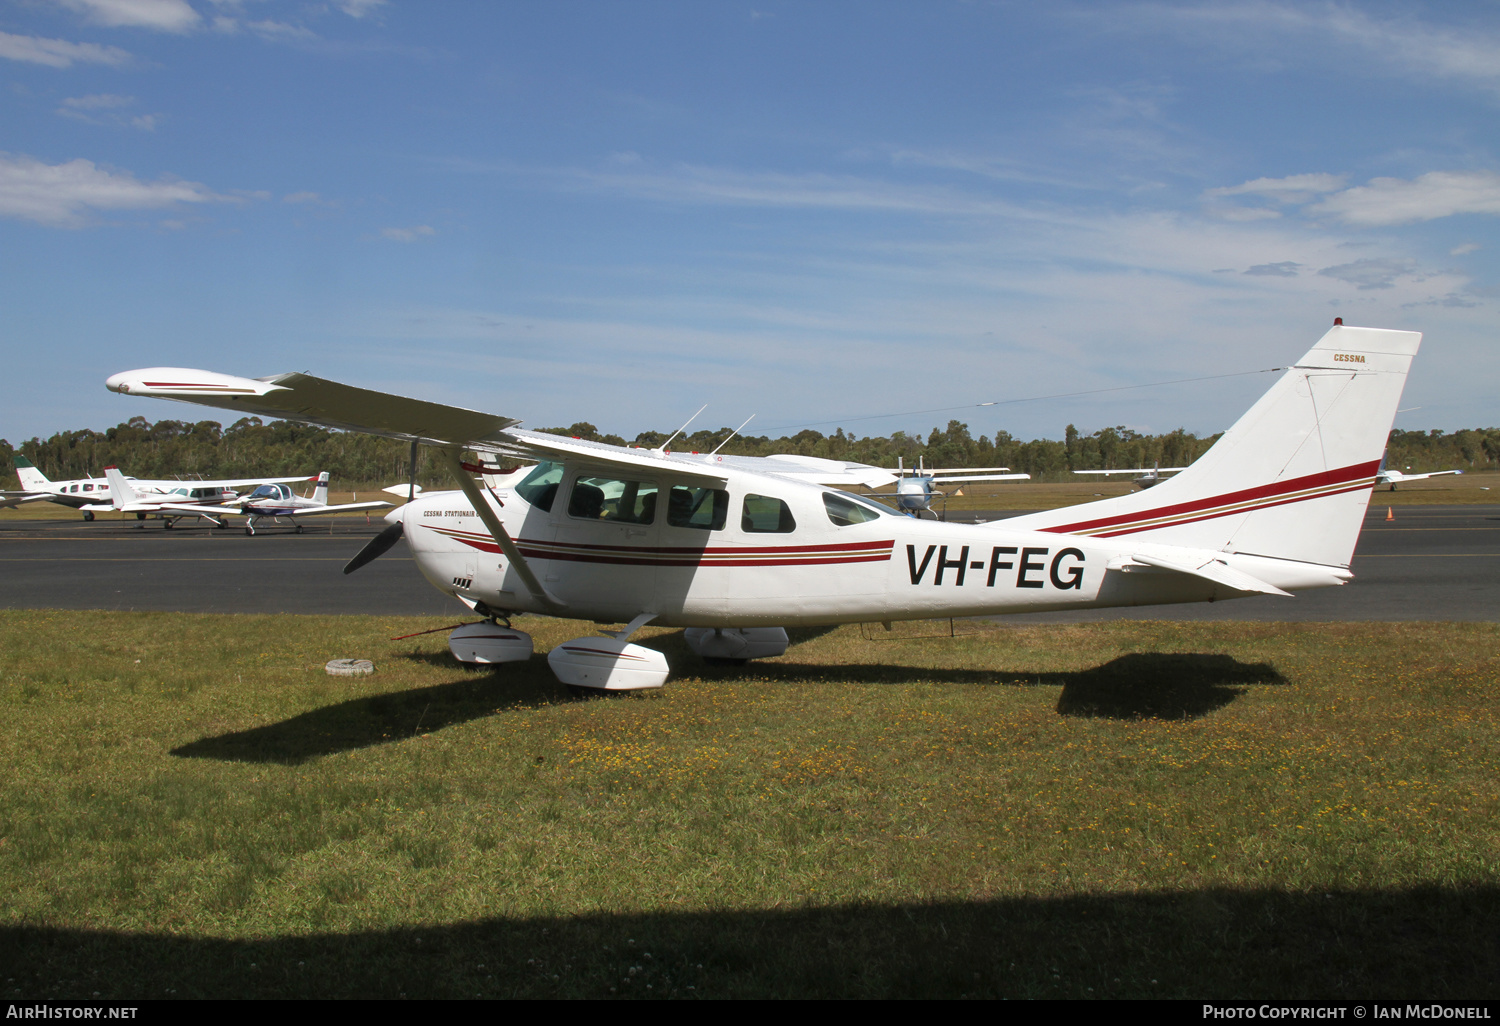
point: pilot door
(605, 544)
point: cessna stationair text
(735, 549)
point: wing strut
(481, 505)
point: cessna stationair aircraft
(736, 548)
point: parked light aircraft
(1395, 477)
(278, 502)
(1146, 478)
(914, 493)
(735, 548)
(88, 494)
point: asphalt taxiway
(1428, 563)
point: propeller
(376, 547)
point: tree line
(252, 448)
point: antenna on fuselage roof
(731, 434)
(663, 446)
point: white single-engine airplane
(1144, 478)
(1395, 477)
(736, 548)
(914, 487)
(278, 502)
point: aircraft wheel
(140, 516)
(166, 524)
(88, 516)
(250, 531)
(221, 525)
(299, 528)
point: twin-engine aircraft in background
(734, 549)
(92, 494)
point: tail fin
(120, 491)
(1291, 478)
(320, 494)
(32, 479)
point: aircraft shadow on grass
(1272, 943)
(1146, 685)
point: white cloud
(301, 197)
(65, 195)
(161, 15)
(59, 53)
(1465, 249)
(359, 8)
(98, 101)
(1402, 44)
(408, 234)
(280, 32)
(1291, 189)
(1387, 201)
(105, 109)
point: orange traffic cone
(1388, 514)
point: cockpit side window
(540, 486)
(845, 512)
(765, 514)
(706, 509)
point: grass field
(192, 808)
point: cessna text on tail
(736, 548)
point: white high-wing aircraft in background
(89, 494)
(736, 548)
(914, 487)
(1144, 478)
(1395, 477)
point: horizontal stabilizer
(1216, 571)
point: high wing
(965, 478)
(314, 400)
(1138, 470)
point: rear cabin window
(764, 514)
(540, 486)
(706, 509)
(845, 512)
(608, 498)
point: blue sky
(821, 212)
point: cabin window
(608, 498)
(706, 509)
(844, 511)
(764, 514)
(88, 487)
(540, 486)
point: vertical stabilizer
(32, 479)
(320, 494)
(1291, 479)
(121, 493)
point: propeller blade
(376, 547)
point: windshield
(540, 486)
(845, 509)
